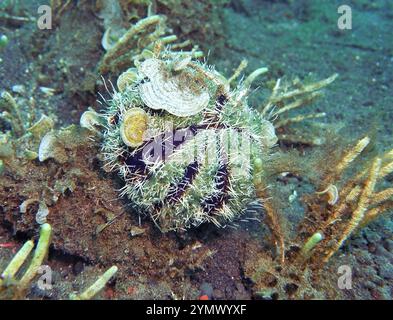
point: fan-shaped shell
(165, 91)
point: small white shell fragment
(136, 231)
(293, 196)
(105, 42)
(46, 146)
(48, 91)
(25, 204)
(18, 88)
(166, 93)
(52, 148)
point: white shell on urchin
(90, 120)
(126, 79)
(165, 91)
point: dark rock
(372, 237)
(381, 251)
(359, 242)
(388, 244)
(386, 271)
(372, 247)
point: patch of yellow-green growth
(352, 154)
(283, 100)
(97, 286)
(30, 155)
(312, 87)
(311, 243)
(12, 113)
(255, 74)
(285, 122)
(243, 64)
(12, 288)
(258, 164)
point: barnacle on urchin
(190, 160)
(126, 78)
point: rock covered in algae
(183, 143)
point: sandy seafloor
(291, 38)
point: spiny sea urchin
(183, 142)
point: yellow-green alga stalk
(97, 286)
(18, 260)
(39, 256)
